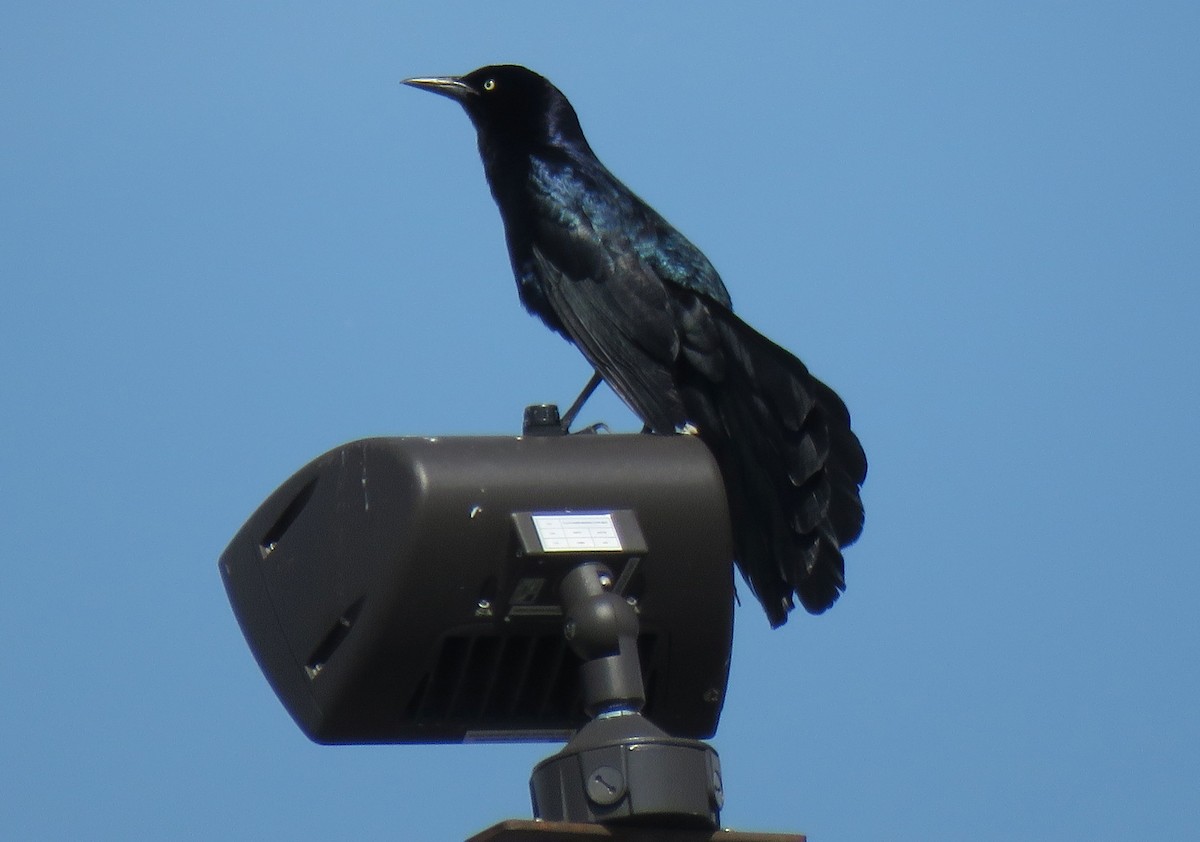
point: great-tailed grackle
(651, 315)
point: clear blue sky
(229, 240)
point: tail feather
(791, 464)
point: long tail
(791, 464)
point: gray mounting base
(625, 769)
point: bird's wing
(630, 344)
(674, 259)
(613, 274)
(616, 310)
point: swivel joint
(602, 629)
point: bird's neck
(510, 166)
(508, 148)
(506, 166)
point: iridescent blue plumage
(583, 194)
(650, 313)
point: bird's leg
(569, 417)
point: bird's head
(509, 102)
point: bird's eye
(489, 85)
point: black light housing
(400, 590)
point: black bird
(649, 312)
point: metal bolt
(605, 786)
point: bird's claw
(591, 429)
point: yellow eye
(489, 85)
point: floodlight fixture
(400, 590)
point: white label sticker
(577, 533)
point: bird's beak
(450, 86)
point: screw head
(605, 786)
